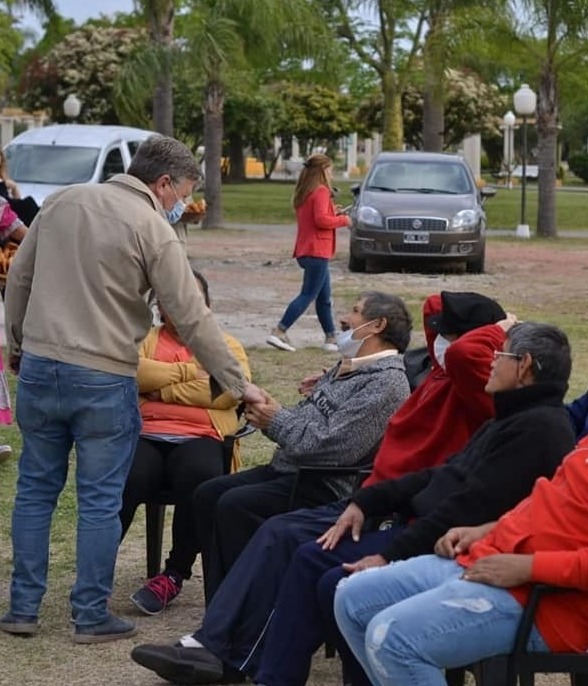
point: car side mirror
(487, 192)
(355, 189)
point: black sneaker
(157, 593)
(21, 625)
(111, 629)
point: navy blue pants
(303, 617)
(239, 612)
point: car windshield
(446, 178)
(54, 164)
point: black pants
(179, 468)
(230, 509)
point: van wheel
(356, 264)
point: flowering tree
(87, 63)
(471, 106)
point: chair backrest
(417, 362)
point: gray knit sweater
(342, 421)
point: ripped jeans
(410, 620)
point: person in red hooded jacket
(317, 220)
(463, 330)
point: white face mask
(349, 346)
(440, 346)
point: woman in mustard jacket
(180, 445)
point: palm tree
(554, 35)
(159, 15)
(382, 48)
(228, 35)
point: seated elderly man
(435, 422)
(410, 620)
(339, 423)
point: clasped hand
(260, 414)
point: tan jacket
(76, 289)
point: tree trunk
(547, 115)
(161, 31)
(214, 100)
(433, 105)
(392, 126)
(236, 159)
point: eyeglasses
(500, 353)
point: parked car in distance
(418, 207)
(43, 160)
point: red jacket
(440, 415)
(317, 222)
(552, 525)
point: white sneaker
(330, 345)
(279, 339)
(5, 453)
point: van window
(54, 164)
(133, 146)
(113, 164)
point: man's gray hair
(158, 155)
(378, 305)
(547, 345)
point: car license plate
(416, 236)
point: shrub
(579, 165)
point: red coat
(440, 415)
(317, 222)
(552, 525)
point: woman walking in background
(317, 220)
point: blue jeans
(316, 286)
(58, 406)
(408, 621)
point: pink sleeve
(9, 221)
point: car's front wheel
(476, 266)
(356, 264)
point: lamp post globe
(72, 107)
(525, 102)
(509, 120)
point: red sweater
(317, 222)
(440, 415)
(552, 525)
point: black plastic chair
(503, 670)
(155, 508)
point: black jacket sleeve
(393, 495)
(513, 459)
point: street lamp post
(508, 121)
(72, 107)
(525, 102)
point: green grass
(271, 203)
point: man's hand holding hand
(261, 414)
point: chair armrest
(361, 472)
(528, 617)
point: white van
(43, 160)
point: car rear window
(54, 164)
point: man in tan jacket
(75, 315)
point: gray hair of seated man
(548, 347)
(159, 155)
(378, 305)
